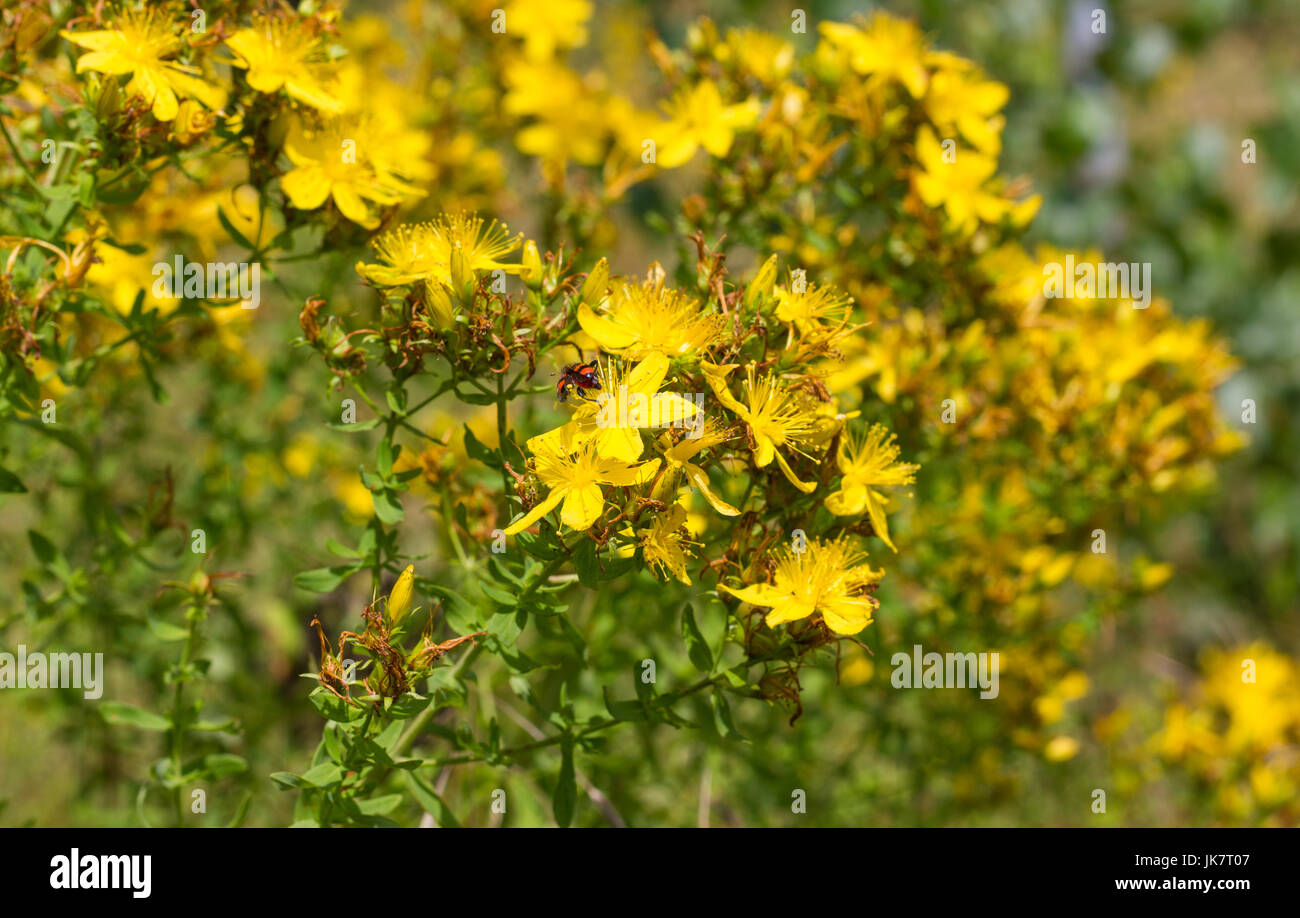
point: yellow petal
(536, 513)
(806, 487)
(879, 522)
(700, 479)
(790, 611)
(582, 506)
(648, 375)
(625, 476)
(758, 594)
(607, 334)
(306, 187)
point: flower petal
(609, 336)
(535, 514)
(806, 487)
(582, 506)
(700, 479)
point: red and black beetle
(577, 377)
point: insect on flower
(578, 377)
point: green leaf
(166, 631)
(45, 550)
(287, 780)
(9, 483)
(327, 774)
(121, 713)
(234, 233)
(584, 562)
(722, 717)
(223, 765)
(696, 647)
(388, 508)
(333, 707)
(428, 798)
(566, 788)
(378, 806)
(500, 597)
(324, 579)
(622, 710)
(476, 450)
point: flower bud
(760, 291)
(462, 277)
(531, 273)
(593, 290)
(440, 308)
(399, 600)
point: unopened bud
(593, 290)
(399, 600)
(531, 273)
(462, 278)
(440, 307)
(760, 291)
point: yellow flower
(825, 579)
(959, 185)
(818, 313)
(279, 55)
(574, 475)
(698, 118)
(777, 417)
(548, 27)
(888, 48)
(1061, 748)
(399, 598)
(572, 119)
(960, 101)
(868, 462)
(643, 319)
(665, 544)
(422, 251)
(626, 404)
(138, 46)
(677, 461)
(335, 162)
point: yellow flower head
(698, 118)
(776, 415)
(887, 48)
(665, 545)
(278, 54)
(959, 181)
(677, 459)
(960, 100)
(574, 475)
(818, 313)
(422, 251)
(627, 402)
(337, 161)
(548, 27)
(868, 461)
(139, 46)
(826, 578)
(641, 319)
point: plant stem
(178, 701)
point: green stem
(178, 702)
(501, 444)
